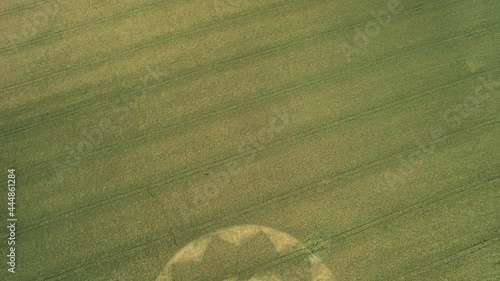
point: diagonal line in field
(344, 235)
(52, 117)
(201, 168)
(478, 246)
(232, 106)
(208, 66)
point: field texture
(251, 140)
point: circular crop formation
(245, 252)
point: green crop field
(158, 140)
